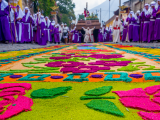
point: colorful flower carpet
(81, 82)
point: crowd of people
(139, 27)
(21, 27)
(105, 34)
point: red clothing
(85, 13)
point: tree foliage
(66, 8)
(44, 5)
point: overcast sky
(81, 4)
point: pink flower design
(22, 103)
(139, 99)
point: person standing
(61, 34)
(104, 33)
(110, 38)
(88, 33)
(76, 36)
(48, 29)
(157, 22)
(19, 25)
(125, 30)
(151, 32)
(5, 34)
(57, 32)
(136, 27)
(130, 19)
(146, 15)
(43, 35)
(37, 27)
(100, 36)
(65, 33)
(13, 16)
(80, 37)
(116, 30)
(52, 28)
(71, 34)
(27, 26)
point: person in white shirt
(88, 34)
(65, 33)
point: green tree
(66, 9)
(65, 6)
(44, 5)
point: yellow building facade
(110, 21)
(17, 3)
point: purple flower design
(68, 69)
(97, 76)
(72, 64)
(103, 56)
(110, 63)
(56, 77)
(16, 76)
(136, 75)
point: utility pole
(100, 16)
(119, 8)
(109, 13)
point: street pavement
(15, 46)
(24, 46)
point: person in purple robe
(146, 16)
(130, 19)
(43, 34)
(5, 34)
(27, 26)
(153, 12)
(32, 24)
(57, 32)
(104, 33)
(125, 30)
(73, 34)
(48, 30)
(19, 24)
(157, 22)
(136, 27)
(110, 38)
(76, 36)
(52, 32)
(80, 37)
(34, 27)
(100, 35)
(13, 16)
(37, 33)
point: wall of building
(136, 5)
(109, 24)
